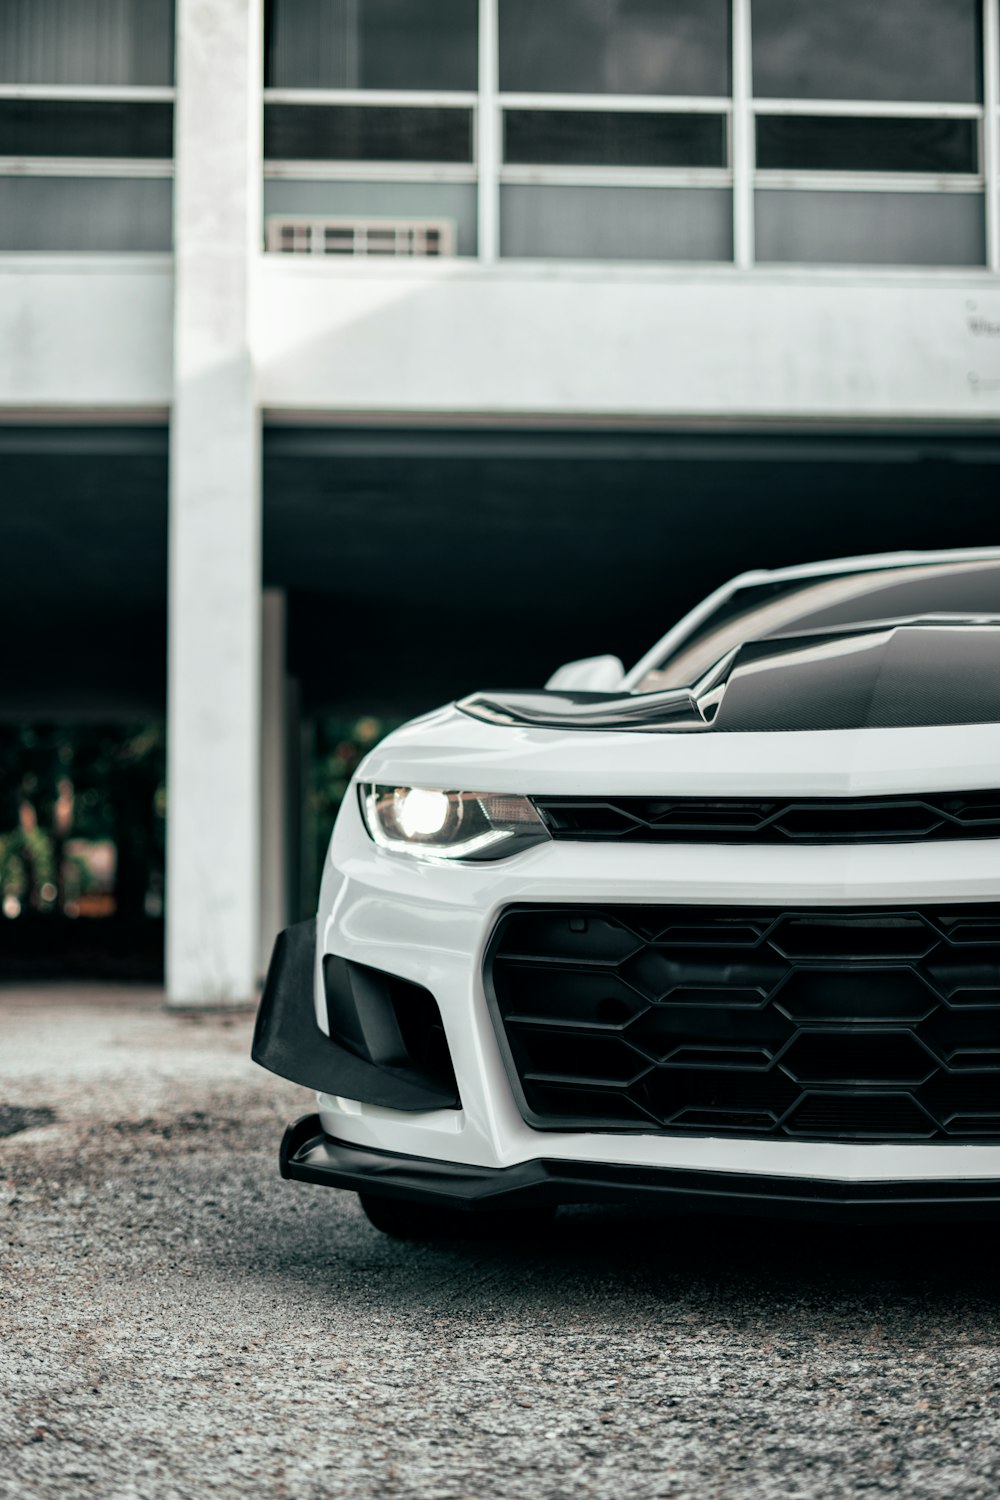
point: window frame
(377, 171)
(876, 181)
(589, 175)
(95, 167)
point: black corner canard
(889, 675)
(385, 1046)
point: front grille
(819, 1024)
(805, 820)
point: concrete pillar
(213, 890)
(274, 780)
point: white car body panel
(448, 749)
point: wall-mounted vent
(351, 237)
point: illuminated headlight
(433, 824)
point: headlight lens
(434, 824)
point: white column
(213, 878)
(274, 840)
(488, 134)
(991, 129)
(743, 143)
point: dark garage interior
(418, 565)
(421, 564)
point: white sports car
(724, 928)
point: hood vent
(886, 675)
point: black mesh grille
(824, 1024)
(809, 820)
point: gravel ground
(177, 1322)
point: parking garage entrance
(415, 565)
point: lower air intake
(870, 1024)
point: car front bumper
(309, 1154)
(431, 924)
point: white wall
(770, 345)
(86, 333)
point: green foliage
(339, 746)
(13, 871)
(60, 783)
(86, 781)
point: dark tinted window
(305, 132)
(44, 127)
(614, 46)
(785, 608)
(372, 44)
(848, 144)
(87, 41)
(595, 138)
(867, 49)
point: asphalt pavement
(176, 1321)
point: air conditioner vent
(428, 238)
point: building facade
(382, 251)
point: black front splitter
(309, 1155)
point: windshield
(800, 604)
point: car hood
(888, 675)
(889, 708)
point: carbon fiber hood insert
(888, 675)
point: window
(616, 223)
(85, 214)
(87, 42)
(601, 138)
(298, 132)
(372, 44)
(370, 114)
(614, 46)
(867, 132)
(581, 176)
(879, 228)
(916, 50)
(86, 128)
(86, 124)
(819, 143)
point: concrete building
(405, 346)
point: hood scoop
(889, 675)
